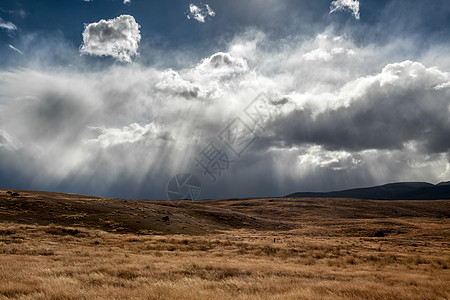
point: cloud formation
(14, 48)
(130, 134)
(207, 80)
(128, 130)
(7, 25)
(118, 38)
(200, 12)
(222, 65)
(346, 5)
(7, 142)
(172, 83)
(344, 113)
(387, 111)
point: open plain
(65, 246)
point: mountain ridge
(389, 191)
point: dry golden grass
(56, 262)
(65, 246)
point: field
(60, 246)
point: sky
(250, 98)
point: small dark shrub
(379, 234)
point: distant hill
(391, 191)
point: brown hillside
(351, 217)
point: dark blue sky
(164, 26)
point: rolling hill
(391, 191)
(202, 217)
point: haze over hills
(391, 191)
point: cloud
(318, 54)
(385, 112)
(117, 37)
(345, 115)
(443, 86)
(132, 133)
(329, 49)
(126, 1)
(345, 5)
(207, 80)
(172, 83)
(14, 48)
(200, 12)
(7, 25)
(8, 142)
(222, 65)
(220, 73)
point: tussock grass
(56, 262)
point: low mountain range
(391, 191)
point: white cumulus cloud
(172, 83)
(208, 79)
(200, 12)
(222, 64)
(117, 37)
(344, 5)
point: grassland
(58, 246)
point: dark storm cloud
(398, 106)
(53, 116)
(126, 132)
(18, 170)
